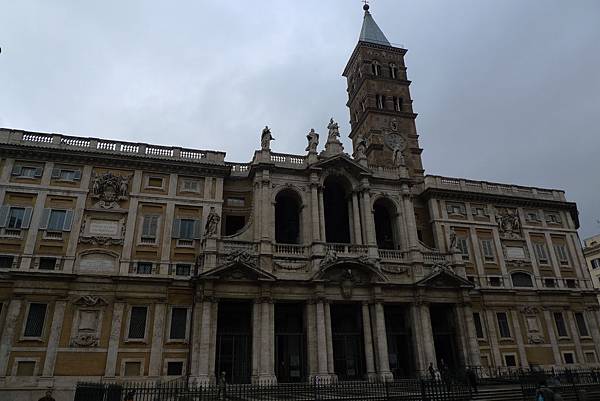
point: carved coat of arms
(109, 189)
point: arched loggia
(336, 195)
(287, 218)
(384, 214)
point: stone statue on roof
(266, 138)
(334, 131)
(313, 141)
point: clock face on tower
(394, 141)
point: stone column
(33, 230)
(203, 356)
(54, 339)
(129, 239)
(158, 334)
(114, 339)
(383, 359)
(473, 344)
(267, 374)
(552, 337)
(411, 222)
(356, 219)
(321, 340)
(493, 337)
(165, 252)
(368, 218)
(427, 334)
(195, 339)
(256, 336)
(519, 338)
(418, 342)
(314, 211)
(266, 206)
(329, 343)
(322, 215)
(369, 360)
(500, 258)
(592, 321)
(575, 336)
(8, 334)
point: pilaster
(383, 360)
(53, 340)
(369, 357)
(158, 334)
(8, 334)
(552, 337)
(519, 338)
(114, 339)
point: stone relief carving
(453, 246)
(313, 141)
(109, 189)
(212, 223)
(241, 256)
(361, 148)
(102, 241)
(266, 138)
(347, 284)
(535, 338)
(509, 224)
(90, 300)
(289, 266)
(85, 340)
(395, 269)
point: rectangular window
(15, 217)
(25, 368)
(6, 261)
(561, 327)
(463, 246)
(478, 325)
(562, 254)
(137, 322)
(540, 252)
(488, 250)
(174, 368)
(590, 357)
(552, 218)
(190, 185)
(456, 209)
(595, 263)
(178, 323)
(47, 264)
(183, 269)
(29, 172)
(479, 211)
(34, 325)
(149, 227)
(155, 182)
(236, 202)
(510, 360)
(503, 325)
(581, 325)
(56, 221)
(144, 268)
(495, 281)
(69, 175)
(133, 369)
(380, 101)
(186, 228)
(549, 282)
(569, 358)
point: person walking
(544, 393)
(472, 379)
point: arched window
(376, 68)
(287, 218)
(521, 280)
(336, 195)
(384, 213)
(393, 71)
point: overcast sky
(506, 90)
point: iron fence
(399, 390)
(571, 384)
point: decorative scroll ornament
(394, 269)
(288, 266)
(103, 241)
(85, 340)
(535, 338)
(347, 284)
(330, 257)
(241, 256)
(90, 300)
(109, 189)
(509, 224)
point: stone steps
(499, 394)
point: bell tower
(381, 116)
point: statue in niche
(313, 141)
(266, 138)
(361, 147)
(334, 131)
(212, 223)
(453, 244)
(109, 189)
(397, 157)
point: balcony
(347, 250)
(392, 255)
(290, 250)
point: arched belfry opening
(336, 199)
(384, 213)
(287, 217)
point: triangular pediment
(343, 161)
(358, 270)
(238, 270)
(444, 278)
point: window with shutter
(150, 226)
(178, 324)
(562, 253)
(186, 229)
(137, 322)
(16, 217)
(540, 252)
(183, 269)
(56, 220)
(28, 172)
(561, 327)
(34, 325)
(488, 250)
(463, 245)
(503, 325)
(581, 325)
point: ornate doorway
(290, 343)
(348, 343)
(400, 341)
(234, 341)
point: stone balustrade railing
(290, 250)
(432, 181)
(287, 160)
(392, 255)
(347, 249)
(434, 257)
(57, 141)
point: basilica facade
(122, 261)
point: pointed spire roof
(370, 31)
